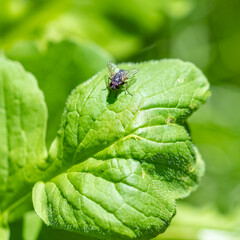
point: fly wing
(112, 68)
(131, 72)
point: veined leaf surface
(122, 162)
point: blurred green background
(63, 43)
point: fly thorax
(123, 73)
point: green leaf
(122, 162)
(59, 67)
(23, 118)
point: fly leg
(109, 78)
(126, 89)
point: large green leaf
(23, 119)
(122, 162)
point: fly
(118, 77)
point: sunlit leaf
(123, 161)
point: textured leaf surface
(23, 118)
(122, 162)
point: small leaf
(23, 118)
(122, 162)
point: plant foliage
(117, 164)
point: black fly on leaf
(118, 77)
